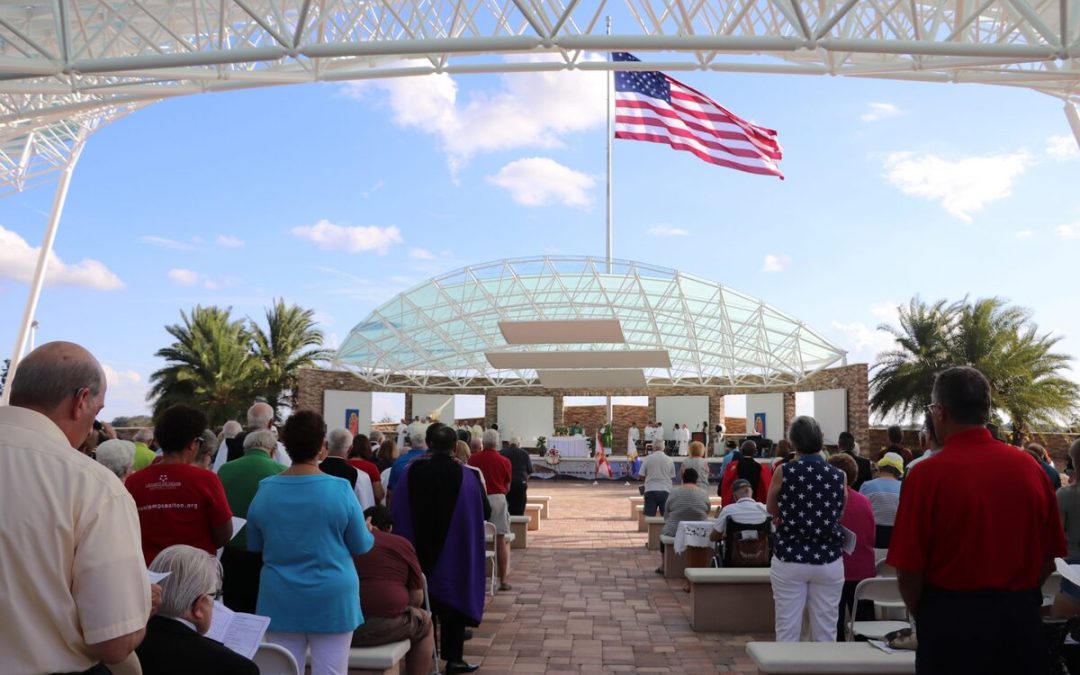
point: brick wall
(1057, 444)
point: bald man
(259, 416)
(72, 575)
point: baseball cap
(894, 460)
(739, 484)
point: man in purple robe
(439, 506)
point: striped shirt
(884, 496)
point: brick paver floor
(585, 599)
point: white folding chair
(275, 660)
(880, 590)
(490, 555)
(884, 569)
(427, 606)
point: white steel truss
(63, 61)
(436, 335)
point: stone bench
(634, 503)
(655, 525)
(532, 512)
(674, 564)
(641, 526)
(519, 528)
(731, 600)
(544, 501)
(828, 658)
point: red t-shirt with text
(178, 504)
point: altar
(570, 446)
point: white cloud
(373, 189)
(1062, 147)
(18, 260)
(228, 241)
(887, 310)
(327, 235)
(1068, 231)
(963, 186)
(165, 242)
(880, 111)
(666, 231)
(125, 393)
(183, 277)
(539, 181)
(862, 342)
(421, 254)
(775, 263)
(529, 110)
(1024, 234)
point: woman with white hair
(117, 456)
(807, 495)
(175, 642)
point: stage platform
(585, 467)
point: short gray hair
(491, 438)
(52, 373)
(259, 416)
(475, 445)
(515, 441)
(192, 573)
(376, 437)
(805, 434)
(231, 429)
(144, 435)
(338, 442)
(116, 455)
(264, 439)
(418, 439)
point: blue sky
(337, 197)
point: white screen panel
(526, 417)
(770, 407)
(435, 405)
(672, 410)
(830, 410)
(338, 407)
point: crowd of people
(334, 537)
(341, 539)
(970, 524)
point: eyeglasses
(216, 595)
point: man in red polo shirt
(976, 534)
(497, 472)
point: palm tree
(903, 376)
(1025, 374)
(290, 342)
(209, 366)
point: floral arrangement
(552, 457)
(562, 431)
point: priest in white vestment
(682, 435)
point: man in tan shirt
(73, 586)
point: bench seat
(533, 513)
(655, 525)
(731, 600)
(674, 564)
(828, 658)
(519, 528)
(634, 503)
(544, 501)
(641, 526)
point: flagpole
(610, 76)
(609, 146)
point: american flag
(650, 106)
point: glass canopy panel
(443, 327)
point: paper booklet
(238, 631)
(849, 540)
(1070, 572)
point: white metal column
(42, 264)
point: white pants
(329, 651)
(800, 586)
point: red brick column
(789, 412)
(491, 409)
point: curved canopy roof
(568, 322)
(68, 66)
